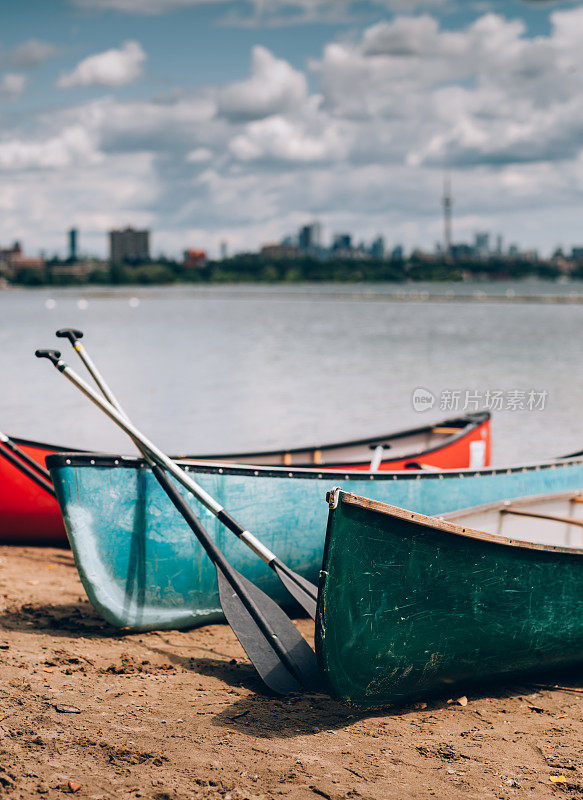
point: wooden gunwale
(445, 526)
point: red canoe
(29, 513)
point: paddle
(304, 592)
(15, 460)
(281, 656)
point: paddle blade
(256, 644)
(304, 592)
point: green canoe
(410, 604)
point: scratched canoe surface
(409, 605)
(142, 568)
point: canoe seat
(550, 517)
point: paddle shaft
(26, 470)
(97, 377)
(7, 442)
(162, 460)
(220, 562)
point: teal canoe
(410, 604)
(142, 568)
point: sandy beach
(103, 713)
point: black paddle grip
(72, 334)
(52, 355)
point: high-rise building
(73, 244)
(447, 206)
(129, 246)
(310, 237)
(482, 243)
(377, 249)
(342, 241)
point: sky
(238, 121)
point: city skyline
(238, 121)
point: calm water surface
(222, 368)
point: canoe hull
(142, 568)
(28, 515)
(406, 610)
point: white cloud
(364, 151)
(280, 139)
(73, 145)
(306, 10)
(112, 68)
(31, 53)
(199, 155)
(12, 85)
(273, 88)
(141, 6)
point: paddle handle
(72, 334)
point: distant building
(377, 248)
(129, 246)
(12, 260)
(310, 237)
(447, 202)
(577, 253)
(73, 244)
(398, 253)
(76, 269)
(193, 259)
(223, 251)
(342, 241)
(280, 251)
(482, 243)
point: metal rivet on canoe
(221, 470)
(116, 462)
(320, 475)
(186, 468)
(290, 474)
(256, 472)
(68, 461)
(346, 477)
(92, 461)
(371, 477)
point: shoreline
(180, 715)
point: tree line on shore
(257, 268)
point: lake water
(235, 367)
